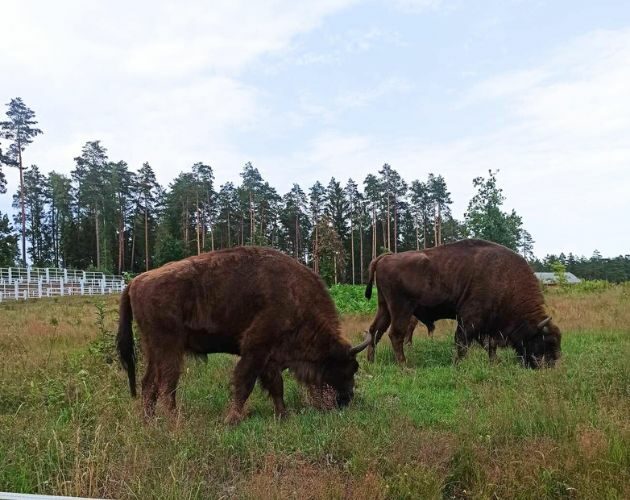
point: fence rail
(21, 283)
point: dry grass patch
(295, 477)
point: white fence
(35, 282)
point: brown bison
(255, 302)
(489, 289)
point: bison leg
(462, 342)
(247, 370)
(492, 349)
(397, 334)
(150, 389)
(271, 381)
(170, 370)
(378, 328)
(412, 326)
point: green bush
(350, 299)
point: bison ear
(358, 348)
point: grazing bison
(489, 289)
(254, 302)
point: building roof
(550, 278)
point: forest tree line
(106, 216)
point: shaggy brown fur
(489, 289)
(254, 302)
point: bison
(254, 302)
(489, 289)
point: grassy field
(430, 430)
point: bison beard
(254, 302)
(489, 289)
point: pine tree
(317, 205)
(331, 253)
(180, 211)
(3, 160)
(295, 222)
(227, 208)
(355, 204)
(20, 130)
(122, 184)
(59, 201)
(394, 189)
(441, 199)
(89, 178)
(205, 202)
(374, 197)
(8, 242)
(336, 208)
(148, 191)
(32, 196)
(421, 202)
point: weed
(104, 345)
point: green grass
(429, 430)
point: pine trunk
(146, 236)
(21, 168)
(198, 227)
(133, 242)
(352, 247)
(295, 246)
(251, 220)
(229, 235)
(361, 250)
(316, 250)
(373, 233)
(395, 226)
(388, 246)
(424, 232)
(121, 243)
(98, 240)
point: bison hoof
(281, 415)
(233, 417)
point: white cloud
(562, 151)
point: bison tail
(124, 340)
(372, 271)
(368, 288)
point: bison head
(542, 349)
(340, 368)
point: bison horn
(358, 348)
(544, 322)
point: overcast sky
(309, 90)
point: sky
(539, 90)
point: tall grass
(428, 430)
